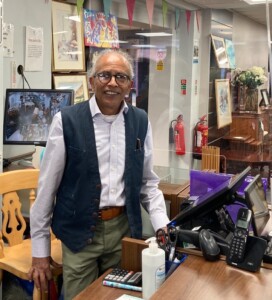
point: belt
(110, 212)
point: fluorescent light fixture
(253, 2)
(114, 42)
(154, 34)
(143, 46)
(73, 18)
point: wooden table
(195, 279)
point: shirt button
(95, 214)
(112, 191)
(92, 228)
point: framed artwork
(265, 97)
(100, 30)
(220, 52)
(223, 102)
(68, 43)
(230, 53)
(78, 83)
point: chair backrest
(211, 158)
(14, 225)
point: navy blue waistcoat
(77, 202)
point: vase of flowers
(248, 82)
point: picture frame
(223, 102)
(265, 97)
(220, 52)
(77, 82)
(68, 41)
(230, 53)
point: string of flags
(150, 9)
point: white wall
(250, 42)
(35, 13)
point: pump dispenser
(153, 268)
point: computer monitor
(29, 113)
(203, 210)
(256, 201)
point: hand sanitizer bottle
(153, 268)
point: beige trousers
(82, 268)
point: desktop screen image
(256, 201)
(29, 113)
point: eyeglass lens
(105, 77)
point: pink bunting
(130, 10)
(197, 19)
(188, 19)
(150, 8)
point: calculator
(124, 276)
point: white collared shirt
(110, 145)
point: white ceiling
(255, 12)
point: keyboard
(267, 258)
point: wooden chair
(15, 249)
(211, 159)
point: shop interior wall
(251, 49)
(21, 14)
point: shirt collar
(95, 109)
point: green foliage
(251, 78)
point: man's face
(110, 95)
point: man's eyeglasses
(105, 78)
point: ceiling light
(253, 2)
(153, 34)
(144, 46)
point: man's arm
(51, 171)
(151, 197)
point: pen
(122, 286)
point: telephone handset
(238, 242)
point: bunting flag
(150, 8)
(188, 19)
(177, 17)
(79, 5)
(107, 7)
(130, 10)
(164, 11)
(197, 13)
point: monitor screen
(222, 195)
(256, 201)
(29, 113)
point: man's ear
(91, 80)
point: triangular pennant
(130, 10)
(107, 7)
(164, 11)
(150, 8)
(177, 16)
(197, 19)
(188, 19)
(79, 5)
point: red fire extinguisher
(200, 135)
(179, 136)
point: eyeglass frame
(100, 75)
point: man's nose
(113, 81)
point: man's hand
(40, 272)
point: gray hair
(126, 57)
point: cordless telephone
(239, 240)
